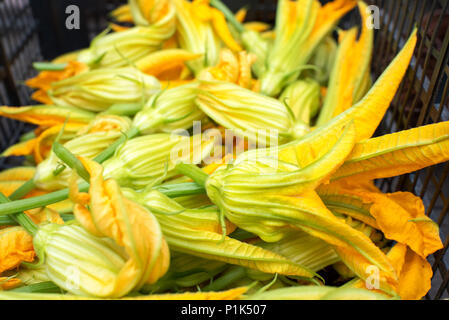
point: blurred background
(55, 39)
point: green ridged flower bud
(196, 36)
(259, 46)
(89, 143)
(170, 110)
(146, 160)
(119, 49)
(304, 98)
(98, 90)
(324, 58)
(259, 118)
(77, 261)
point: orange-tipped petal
(130, 225)
(9, 283)
(161, 61)
(44, 80)
(18, 173)
(240, 15)
(221, 28)
(16, 246)
(415, 273)
(47, 115)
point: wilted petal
(129, 225)
(16, 246)
(8, 283)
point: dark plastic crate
(422, 98)
(19, 46)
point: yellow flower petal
(18, 174)
(257, 26)
(129, 225)
(415, 273)
(41, 215)
(47, 116)
(21, 149)
(398, 153)
(65, 206)
(8, 187)
(221, 28)
(233, 294)
(401, 217)
(163, 60)
(42, 97)
(369, 111)
(44, 141)
(44, 80)
(240, 15)
(339, 201)
(122, 13)
(118, 28)
(8, 283)
(355, 249)
(16, 246)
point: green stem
(180, 189)
(102, 157)
(69, 159)
(124, 109)
(228, 14)
(172, 191)
(48, 66)
(234, 274)
(39, 201)
(109, 152)
(193, 172)
(41, 287)
(21, 218)
(23, 190)
(6, 221)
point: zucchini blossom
(170, 110)
(115, 247)
(119, 49)
(89, 143)
(148, 160)
(304, 99)
(97, 90)
(200, 29)
(259, 118)
(300, 27)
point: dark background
(56, 39)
